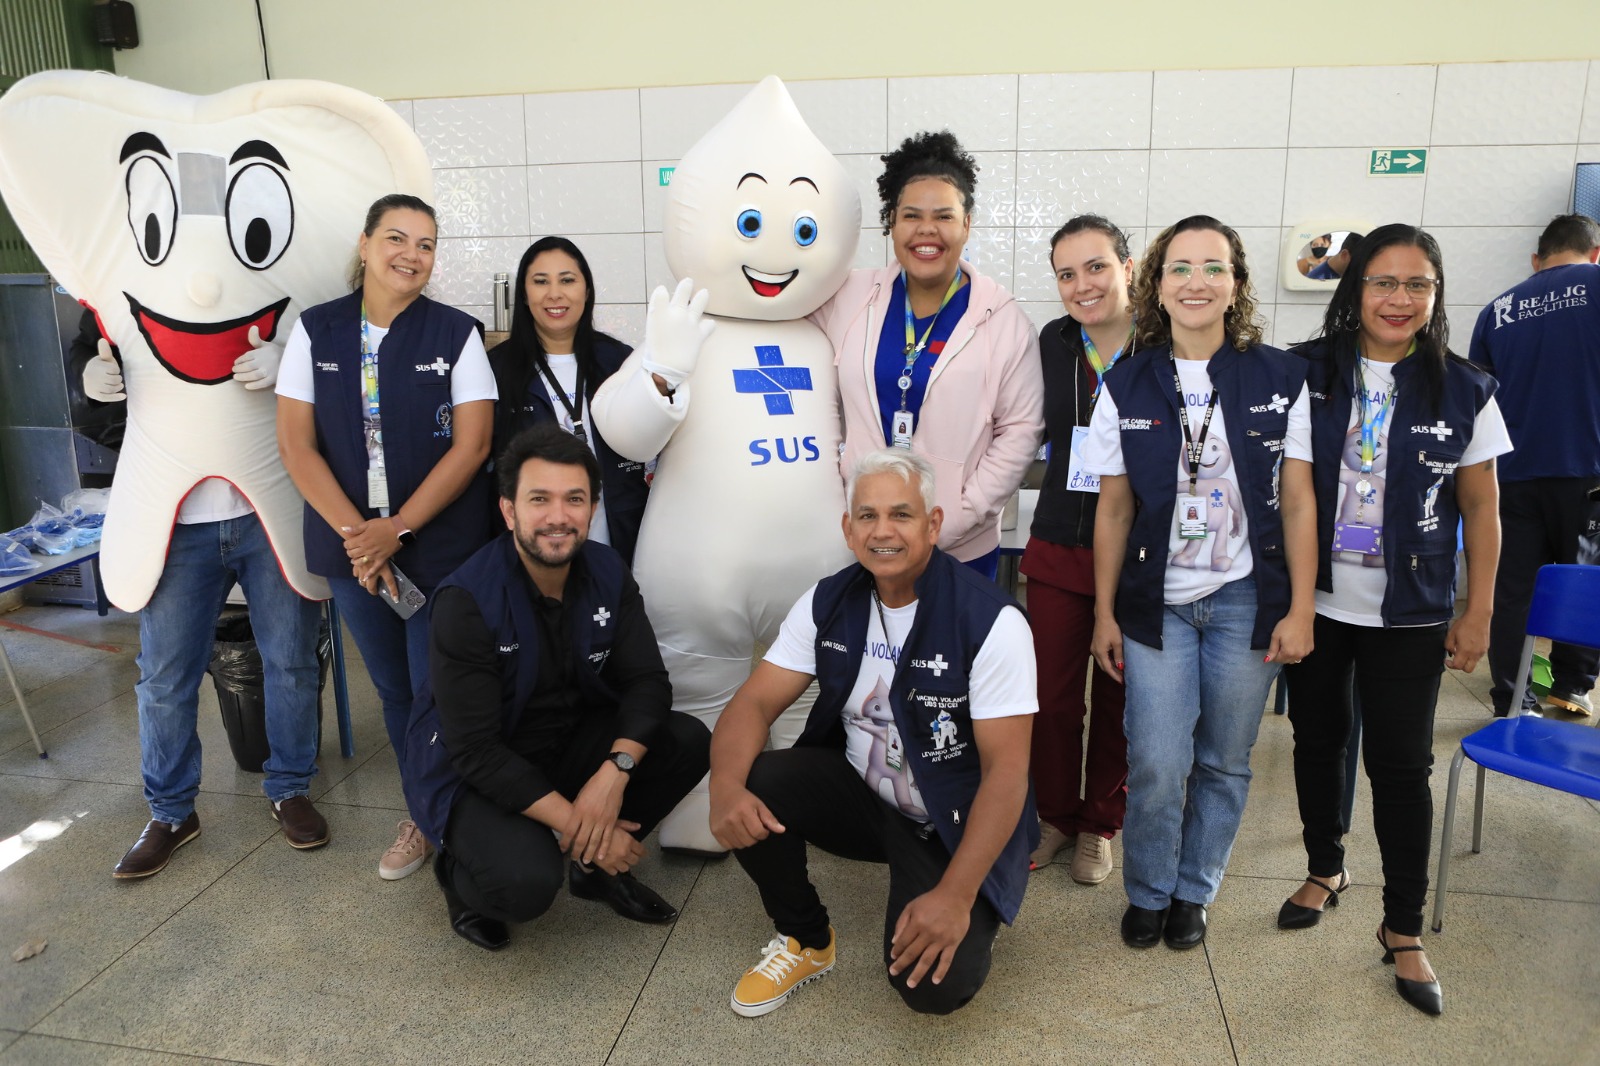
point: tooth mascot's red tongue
(197, 228)
(745, 506)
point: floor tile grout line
(646, 983)
(137, 1047)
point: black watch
(622, 761)
(405, 536)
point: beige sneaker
(1051, 840)
(784, 966)
(406, 855)
(1091, 859)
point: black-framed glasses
(1387, 284)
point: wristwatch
(404, 536)
(622, 761)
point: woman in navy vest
(385, 410)
(1204, 558)
(1094, 274)
(548, 371)
(1404, 436)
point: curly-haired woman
(1205, 559)
(934, 356)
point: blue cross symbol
(773, 380)
(1216, 497)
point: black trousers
(820, 799)
(507, 866)
(1397, 675)
(1545, 520)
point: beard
(539, 554)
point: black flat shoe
(1141, 926)
(623, 892)
(488, 933)
(1293, 916)
(1426, 996)
(1186, 925)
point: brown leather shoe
(155, 847)
(303, 827)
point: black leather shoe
(1141, 926)
(1426, 996)
(1186, 925)
(488, 933)
(1293, 916)
(623, 892)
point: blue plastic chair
(1559, 755)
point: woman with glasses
(1404, 437)
(1204, 558)
(1094, 275)
(934, 356)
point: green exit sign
(1398, 161)
(664, 175)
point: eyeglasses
(1385, 285)
(1211, 273)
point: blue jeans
(394, 649)
(176, 631)
(1193, 710)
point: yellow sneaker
(784, 967)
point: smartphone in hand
(411, 599)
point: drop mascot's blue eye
(749, 223)
(805, 231)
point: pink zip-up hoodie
(982, 417)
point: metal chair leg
(22, 704)
(1477, 816)
(1443, 876)
(341, 689)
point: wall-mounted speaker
(115, 25)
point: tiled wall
(1261, 149)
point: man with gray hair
(915, 753)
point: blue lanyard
(369, 368)
(915, 346)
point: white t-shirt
(565, 368)
(1359, 579)
(1197, 568)
(1003, 683)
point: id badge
(895, 757)
(1077, 478)
(377, 488)
(1352, 537)
(1192, 517)
(903, 425)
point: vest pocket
(1422, 585)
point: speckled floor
(244, 950)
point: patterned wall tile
(473, 131)
(585, 198)
(1221, 108)
(1498, 186)
(1242, 187)
(586, 127)
(1333, 183)
(481, 201)
(981, 110)
(623, 321)
(1509, 103)
(1589, 128)
(617, 260)
(991, 252)
(673, 119)
(848, 116)
(404, 109)
(1362, 106)
(1054, 186)
(1481, 262)
(464, 270)
(1080, 111)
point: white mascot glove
(674, 330)
(258, 368)
(102, 376)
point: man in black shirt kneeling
(548, 711)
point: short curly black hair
(926, 155)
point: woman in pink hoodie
(935, 357)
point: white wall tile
(1509, 103)
(673, 119)
(996, 194)
(991, 251)
(482, 201)
(1261, 254)
(1054, 186)
(617, 260)
(864, 170)
(1040, 314)
(1372, 107)
(1242, 187)
(1333, 183)
(482, 312)
(1497, 186)
(1293, 323)
(1220, 109)
(404, 109)
(656, 270)
(472, 131)
(585, 198)
(1463, 318)
(653, 192)
(1079, 111)
(464, 269)
(586, 127)
(1481, 262)
(981, 110)
(873, 251)
(1032, 280)
(623, 321)
(1589, 128)
(848, 116)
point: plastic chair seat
(1558, 755)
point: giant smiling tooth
(184, 221)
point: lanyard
(888, 641)
(1093, 355)
(369, 390)
(1193, 450)
(573, 413)
(914, 346)
(1372, 423)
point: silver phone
(411, 598)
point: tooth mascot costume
(745, 506)
(197, 228)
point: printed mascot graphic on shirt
(197, 228)
(886, 758)
(1359, 512)
(1224, 509)
(744, 510)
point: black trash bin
(235, 670)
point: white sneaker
(1091, 861)
(1051, 840)
(406, 855)
(784, 966)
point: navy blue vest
(1419, 502)
(414, 365)
(492, 577)
(1255, 389)
(956, 609)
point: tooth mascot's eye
(752, 427)
(189, 223)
